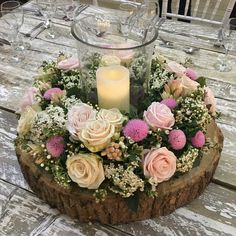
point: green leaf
(133, 202)
(201, 81)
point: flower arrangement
(107, 150)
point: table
(22, 213)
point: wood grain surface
(22, 213)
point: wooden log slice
(114, 210)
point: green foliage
(133, 202)
(201, 81)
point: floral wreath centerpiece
(72, 131)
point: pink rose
(69, 64)
(159, 164)
(28, 99)
(48, 95)
(175, 67)
(125, 56)
(78, 116)
(210, 100)
(159, 116)
(188, 85)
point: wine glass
(48, 9)
(128, 17)
(68, 8)
(12, 20)
(229, 38)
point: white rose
(97, 135)
(113, 116)
(108, 60)
(25, 122)
(86, 170)
(78, 116)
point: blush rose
(78, 116)
(175, 67)
(188, 85)
(159, 116)
(210, 100)
(69, 64)
(159, 164)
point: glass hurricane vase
(116, 66)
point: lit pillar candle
(113, 87)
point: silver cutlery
(28, 34)
(39, 32)
(156, 22)
(190, 50)
(4, 41)
(80, 9)
(166, 43)
(36, 12)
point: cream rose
(86, 170)
(25, 122)
(210, 100)
(113, 116)
(188, 85)
(97, 135)
(108, 60)
(78, 116)
(159, 164)
(28, 99)
(159, 116)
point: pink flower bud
(198, 140)
(55, 146)
(136, 129)
(177, 139)
(191, 74)
(170, 102)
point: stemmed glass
(229, 42)
(128, 18)
(12, 18)
(69, 9)
(48, 9)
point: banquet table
(23, 213)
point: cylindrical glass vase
(101, 43)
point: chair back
(208, 11)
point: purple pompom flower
(191, 74)
(136, 129)
(198, 140)
(177, 139)
(170, 102)
(55, 146)
(50, 92)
